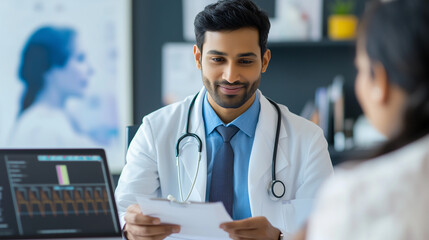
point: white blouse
(384, 198)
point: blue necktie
(222, 181)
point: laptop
(56, 194)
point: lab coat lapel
(262, 152)
(190, 157)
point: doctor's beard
(230, 101)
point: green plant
(342, 7)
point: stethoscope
(276, 188)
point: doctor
(231, 52)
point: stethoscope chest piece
(276, 189)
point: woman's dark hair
(47, 47)
(229, 15)
(396, 34)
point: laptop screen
(56, 193)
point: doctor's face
(231, 66)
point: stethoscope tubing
(276, 141)
(271, 188)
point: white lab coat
(303, 162)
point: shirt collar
(246, 122)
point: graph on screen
(48, 201)
(58, 193)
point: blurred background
(141, 55)
(311, 71)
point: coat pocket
(295, 213)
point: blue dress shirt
(241, 144)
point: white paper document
(197, 220)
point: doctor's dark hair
(396, 34)
(229, 15)
(47, 47)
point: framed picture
(294, 20)
(297, 20)
(65, 72)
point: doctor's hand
(251, 228)
(140, 226)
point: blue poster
(65, 73)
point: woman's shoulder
(412, 157)
(385, 173)
(371, 182)
(398, 173)
(377, 196)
